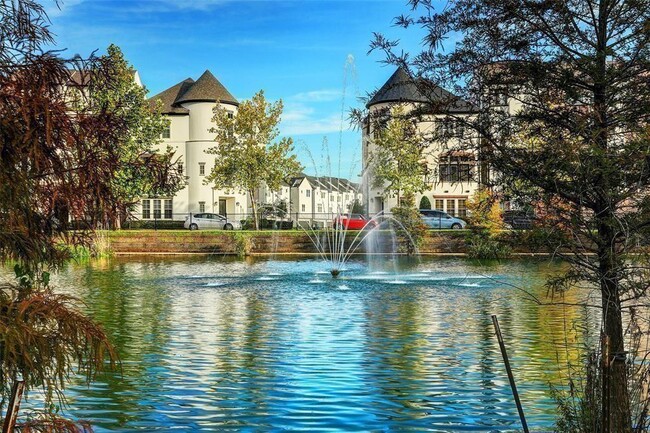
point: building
(453, 174)
(189, 107)
(312, 200)
(317, 200)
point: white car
(210, 221)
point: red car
(354, 222)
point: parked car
(354, 221)
(210, 221)
(519, 219)
(437, 219)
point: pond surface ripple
(224, 345)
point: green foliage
(397, 159)
(578, 406)
(573, 76)
(411, 230)
(358, 207)
(247, 153)
(482, 245)
(486, 220)
(143, 171)
(485, 212)
(425, 203)
(244, 243)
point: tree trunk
(254, 206)
(615, 396)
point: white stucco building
(453, 175)
(189, 107)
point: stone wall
(278, 242)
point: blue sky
(311, 54)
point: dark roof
(400, 87)
(326, 182)
(206, 89)
(170, 96)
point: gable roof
(206, 89)
(328, 183)
(400, 87)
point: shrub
(425, 203)
(410, 229)
(481, 245)
(484, 211)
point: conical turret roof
(208, 89)
(400, 87)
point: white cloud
(325, 95)
(55, 9)
(299, 119)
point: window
(308, 193)
(331, 198)
(230, 115)
(168, 209)
(180, 168)
(451, 207)
(456, 169)
(167, 132)
(146, 209)
(440, 204)
(462, 208)
(201, 168)
(201, 206)
(156, 209)
(322, 195)
(320, 208)
(302, 207)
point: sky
(311, 54)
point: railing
(267, 221)
(246, 221)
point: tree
(247, 154)
(59, 155)
(484, 211)
(117, 91)
(358, 207)
(576, 72)
(425, 203)
(398, 160)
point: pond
(215, 344)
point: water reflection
(218, 344)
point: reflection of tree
(134, 311)
(244, 368)
(397, 350)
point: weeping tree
(564, 100)
(59, 154)
(248, 154)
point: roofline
(390, 101)
(236, 104)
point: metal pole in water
(12, 409)
(511, 378)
